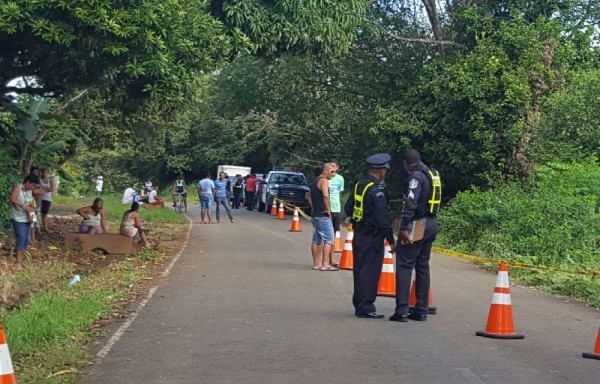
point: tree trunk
(520, 164)
(436, 25)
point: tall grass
(552, 220)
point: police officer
(368, 207)
(423, 199)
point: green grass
(47, 336)
(114, 209)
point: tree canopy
(147, 47)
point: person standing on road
(336, 185)
(318, 199)
(238, 187)
(222, 196)
(423, 198)
(250, 192)
(206, 194)
(368, 207)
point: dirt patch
(49, 247)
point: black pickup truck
(288, 186)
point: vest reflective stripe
(357, 213)
(179, 183)
(436, 191)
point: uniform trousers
(367, 248)
(415, 256)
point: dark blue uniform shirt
(418, 193)
(376, 215)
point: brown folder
(416, 230)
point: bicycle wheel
(180, 205)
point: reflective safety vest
(436, 191)
(358, 212)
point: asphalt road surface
(242, 305)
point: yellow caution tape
(291, 207)
(514, 264)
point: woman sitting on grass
(132, 224)
(93, 218)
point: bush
(552, 220)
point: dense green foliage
(491, 93)
(551, 220)
(157, 47)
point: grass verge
(48, 322)
(47, 336)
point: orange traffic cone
(347, 260)
(387, 279)
(296, 222)
(500, 319)
(412, 300)
(596, 353)
(7, 373)
(281, 212)
(274, 208)
(338, 246)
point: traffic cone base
(499, 335)
(347, 259)
(296, 222)
(387, 279)
(412, 300)
(7, 372)
(596, 354)
(500, 319)
(590, 356)
(430, 310)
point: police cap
(379, 160)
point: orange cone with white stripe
(596, 353)
(338, 246)
(412, 300)
(347, 260)
(387, 279)
(500, 319)
(274, 208)
(7, 372)
(281, 212)
(296, 222)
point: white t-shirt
(152, 196)
(99, 184)
(128, 196)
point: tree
(156, 48)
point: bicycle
(179, 205)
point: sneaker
(417, 317)
(398, 317)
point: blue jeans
(21, 234)
(322, 230)
(225, 202)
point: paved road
(242, 305)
